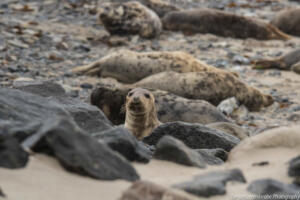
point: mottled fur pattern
(288, 21)
(210, 86)
(129, 66)
(141, 118)
(130, 18)
(160, 7)
(205, 20)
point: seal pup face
(141, 116)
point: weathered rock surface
(195, 136)
(294, 169)
(142, 190)
(79, 152)
(218, 152)
(88, 117)
(273, 189)
(11, 153)
(213, 183)
(171, 149)
(120, 140)
(230, 128)
(209, 157)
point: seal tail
(277, 34)
(90, 69)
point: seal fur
(205, 20)
(141, 118)
(210, 86)
(129, 66)
(130, 18)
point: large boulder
(213, 183)
(120, 140)
(195, 136)
(79, 152)
(88, 117)
(171, 149)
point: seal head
(141, 117)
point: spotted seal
(141, 117)
(130, 18)
(210, 86)
(205, 20)
(129, 66)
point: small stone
(238, 59)
(212, 183)
(86, 86)
(228, 106)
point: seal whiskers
(141, 117)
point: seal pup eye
(147, 96)
(130, 94)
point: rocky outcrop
(79, 152)
(120, 140)
(212, 183)
(195, 136)
(272, 189)
(171, 149)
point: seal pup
(130, 18)
(129, 66)
(288, 61)
(288, 21)
(111, 97)
(205, 20)
(141, 118)
(213, 87)
(159, 7)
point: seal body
(288, 61)
(288, 21)
(141, 118)
(130, 18)
(210, 86)
(220, 23)
(129, 66)
(158, 6)
(170, 107)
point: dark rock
(294, 169)
(86, 86)
(213, 183)
(209, 158)
(171, 149)
(218, 152)
(11, 153)
(88, 117)
(273, 189)
(144, 190)
(262, 163)
(1, 193)
(120, 140)
(79, 152)
(195, 136)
